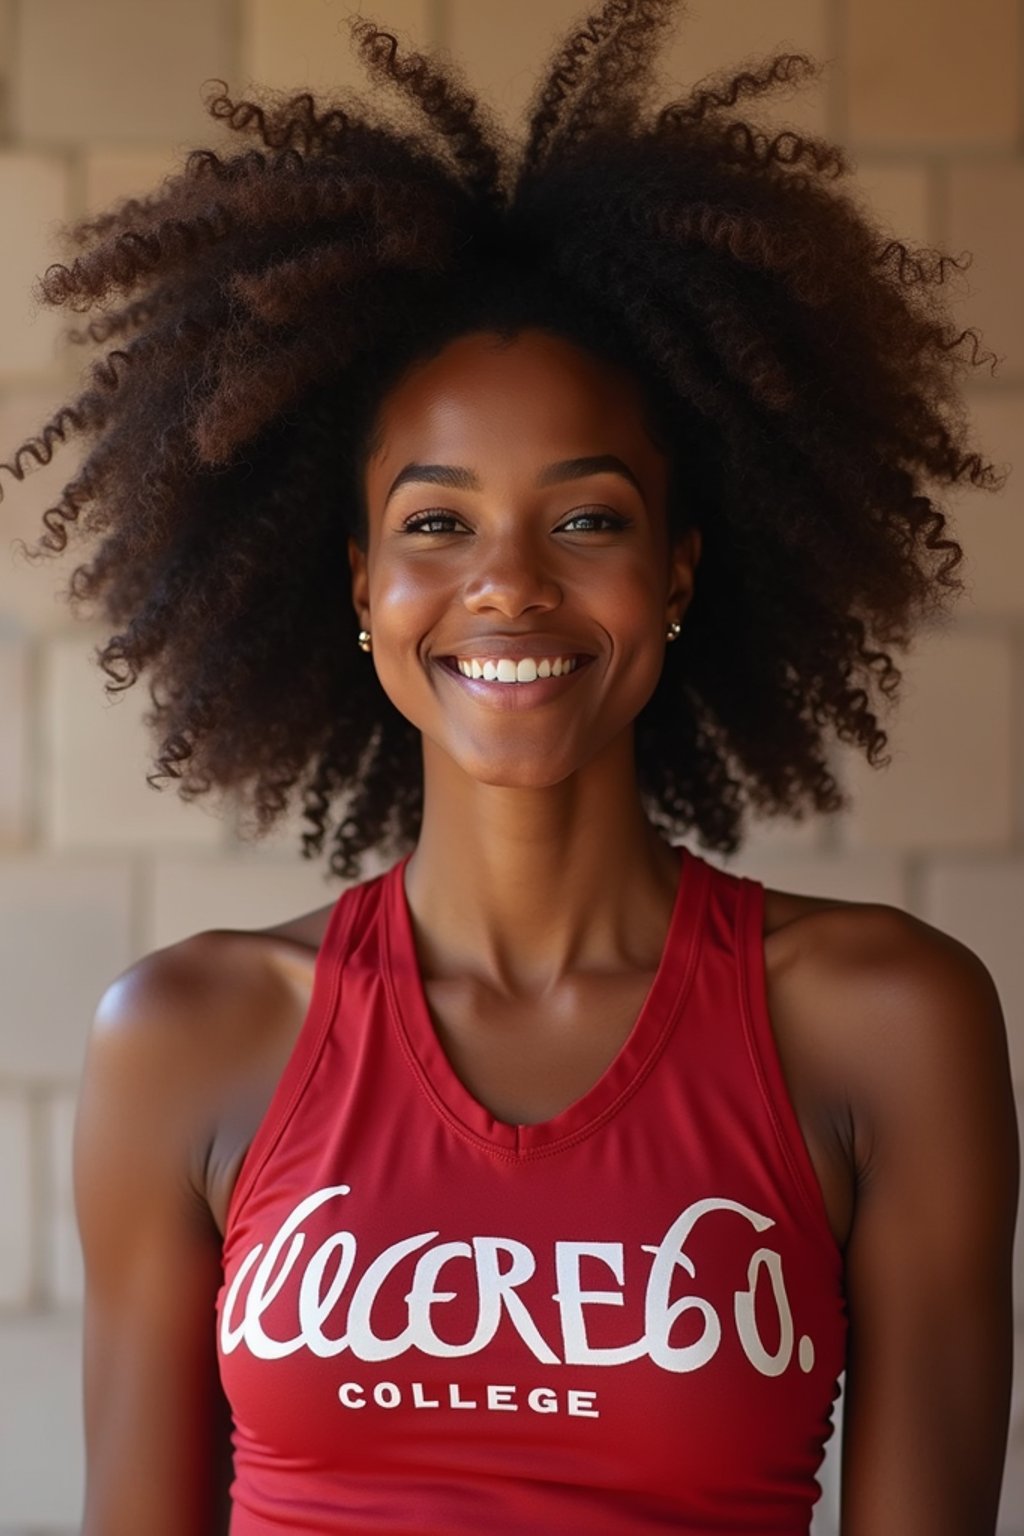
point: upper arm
(929, 1259)
(154, 1414)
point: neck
(518, 887)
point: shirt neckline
(633, 1061)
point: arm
(155, 1423)
(929, 1271)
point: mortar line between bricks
(40, 1180)
(34, 805)
(1017, 737)
(10, 138)
(915, 864)
(438, 22)
(142, 901)
(837, 114)
(937, 200)
(236, 34)
(76, 200)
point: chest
(447, 1324)
(525, 1062)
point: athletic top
(627, 1318)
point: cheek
(406, 598)
(627, 600)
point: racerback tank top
(627, 1318)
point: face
(509, 551)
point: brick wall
(99, 100)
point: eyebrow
(458, 478)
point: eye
(595, 519)
(595, 516)
(428, 522)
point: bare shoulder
(196, 1026)
(175, 1037)
(898, 1007)
(181, 1004)
(904, 1023)
(193, 995)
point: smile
(510, 683)
(505, 669)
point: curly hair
(799, 363)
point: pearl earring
(674, 630)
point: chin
(521, 775)
(525, 769)
(521, 781)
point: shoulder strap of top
(764, 1054)
(309, 1041)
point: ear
(360, 582)
(683, 562)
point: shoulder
(907, 1027)
(904, 1014)
(178, 1001)
(891, 1009)
(187, 1026)
(189, 995)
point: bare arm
(155, 1423)
(929, 1266)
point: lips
(514, 656)
(515, 648)
(511, 692)
(508, 669)
(452, 662)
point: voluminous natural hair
(799, 363)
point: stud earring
(674, 630)
(364, 640)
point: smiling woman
(534, 559)
(523, 507)
(263, 305)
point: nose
(511, 576)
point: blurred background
(101, 98)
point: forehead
(538, 394)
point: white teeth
(505, 670)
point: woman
(550, 1178)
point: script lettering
(492, 1273)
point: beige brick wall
(99, 100)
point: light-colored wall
(100, 98)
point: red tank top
(627, 1318)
